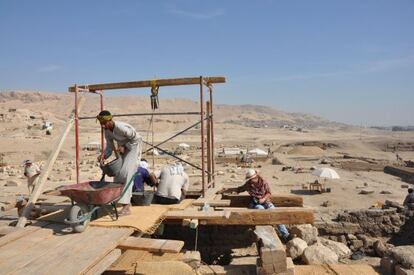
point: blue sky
(351, 61)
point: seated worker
(172, 186)
(143, 176)
(409, 199)
(260, 196)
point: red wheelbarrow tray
(92, 192)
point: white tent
(324, 172)
(184, 145)
(258, 152)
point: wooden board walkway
(48, 249)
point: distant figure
(173, 185)
(409, 199)
(260, 195)
(143, 176)
(31, 172)
(243, 156)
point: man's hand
(262, 200)
(100, 159)
(121, 149)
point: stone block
(306, 232)
(319, 254)
(402, 271)
(340, 249)
(387, 265)
(295, 247)
(12, 183)
(403, 255)
(192, 258)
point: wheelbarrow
(91, 196)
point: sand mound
(306, 150)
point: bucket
(112, 168)
(143, 198)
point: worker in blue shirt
(143, 176)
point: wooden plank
(13, 250)
(5, 230)
(212, 203)
(78, 254)
(149, 83)
(280, 215)
(105, 263)
(20, 233)
(280, 200)
(195, 214)
(41, 180)
(271, 250)
(26, 250)
(152, 245)
(211, 192)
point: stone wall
(365, 230)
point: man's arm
(131, 135)
(109, 146)
(234, 189)
(152, 180)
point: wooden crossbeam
(195, 214)
(152, 245)
(212, 203)
(280, 200)
(149, 83)
(279, 215)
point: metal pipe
(102, 130)
(208, 144)
(77, 134)
(172, 155)
(179, 133)
(202, 136)
(210, 89)
(147, 114)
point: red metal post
(77, 134)
(210, 90)
(102, 130)
(208, 144)
(202, 136)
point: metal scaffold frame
(205, 113)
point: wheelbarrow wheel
(76, 212)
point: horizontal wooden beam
(280, 200)
(212, 203)
(148, 83)
(279, 215)
(152, 245)
(195, 214)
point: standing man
(173, 185)
(31, 172)
(129, 144)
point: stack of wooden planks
(46, 248)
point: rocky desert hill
(56, 107)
